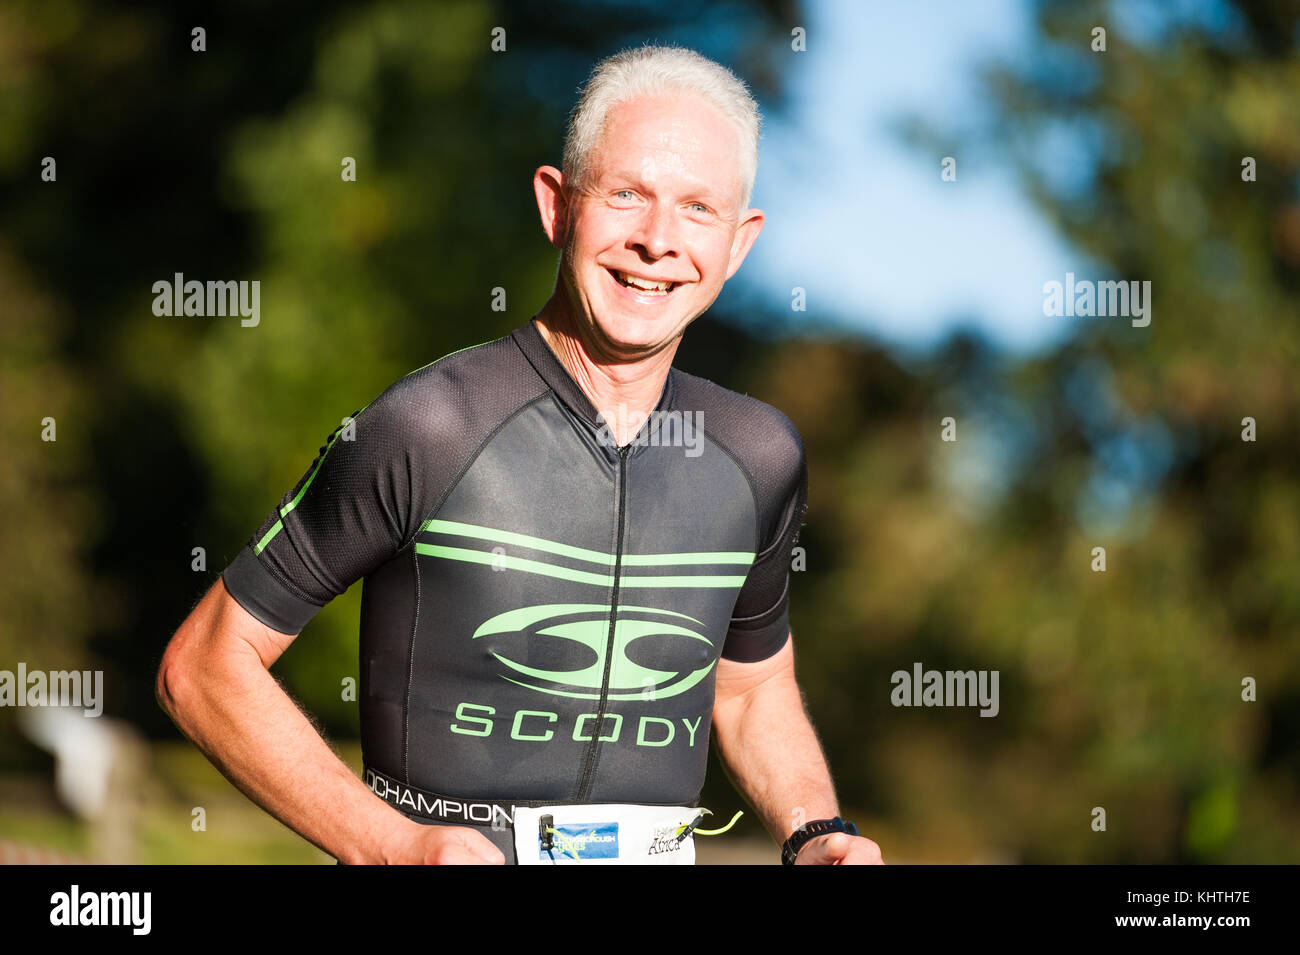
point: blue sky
(862, 221)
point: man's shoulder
(487, 361)
(761, 436)
(456, 395)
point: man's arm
(214, 682)
(769, 747)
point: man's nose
(656, 232)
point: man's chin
(635, 335)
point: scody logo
(588, 625)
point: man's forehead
(669, 137)
(670, 119)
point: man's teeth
(641, 284)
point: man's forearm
(238, 715)
(772, 753)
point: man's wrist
(811, 830)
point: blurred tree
(1120, 689)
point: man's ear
(552, 203)
(746, 234)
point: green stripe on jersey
(625, 581)
(457, 529)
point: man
(576, 558)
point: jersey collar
(552, 371)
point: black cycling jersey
(543, 611)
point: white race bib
(605, 834)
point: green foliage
(1120, 689)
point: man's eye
(623, 192)
(699, 205)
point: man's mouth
(641, 285)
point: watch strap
(811, 830)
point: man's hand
(839, 848)
(442, 845)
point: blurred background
(923, 300)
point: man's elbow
(172, 684)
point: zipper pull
(687, 830)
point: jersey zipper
(589, 762)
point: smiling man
(576, 557)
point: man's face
(661, 203)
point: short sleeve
(349, 513)
(760, 623)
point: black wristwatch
(811, 830)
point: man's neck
(623, 392)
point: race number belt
(547, 832)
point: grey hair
(653, 69)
